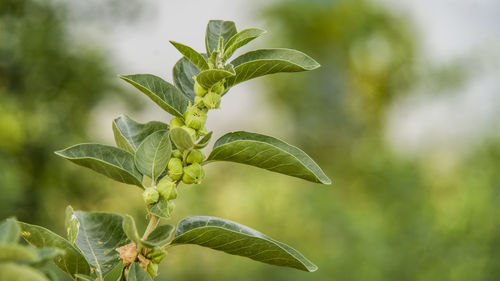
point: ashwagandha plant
(157, 157)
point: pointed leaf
(130, 229)
(160, 208)
(236, 239)
(9, 231)
(129, 134)
(99, 235)
(16, 272)
(164, 94)
(137, 273)
(268, 153)
(209, 77)
(268, 61)
(193, 56)
(159, 237)
(110, 161)
(183, 74)
(181, 138)
(204, 141)
(216, 29)
(153, 154)
(71, 262)
(241, 39)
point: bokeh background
(403, 115)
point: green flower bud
(176, 122)
(211, 100)
(193, 173)
(195, 156)
(198, 89)
(218, 88)
(174, 169)
(167, 189)
(156, 255)
(198, 101)
(153, 269)
(191, 131)
(177, 154)
(150, 195)
(195, 117)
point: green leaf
(153, 154)
(236, 239)
(110, 161)
(9, 231)
(15, 252)
(183, 74)
(136, 273)
(160, 208)
(16, 272)
(216, 29)
(241, 39)
(116, 274)
(159, 237)
(209, 77)
(71, 262)
(130, 229)
(45, 255)
(268, 153)
(71, 224)
(99, 234)
(181, 138)
(204, 141)
(164, 94)
(268, 61)
(193, 56)
(129, 134)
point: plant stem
(153, 223)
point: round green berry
(191, 131)
(174, 169)
(153, 269)
(195, 156)
(198, 101)
(195, 118)
(167, 189)
(177, 154)
(150, 195)
(176, 122)
(193, 173)
(211, 100)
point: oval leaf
(160, 208)
(153, 154)
(268, 153)
(216, 29)
(193, 56)
(236, 239)
(204, 141)
(268, 61)
(110, 161)
(164, 94)
(241, 39)
(159, 237)
(137, 273)
(71, 262)
(129, 134)
(16, 272)
(181, 138)
(183, 74)
(99, 234)
(9, 231)
(130, 229)
(209, 77)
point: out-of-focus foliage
(49, 85)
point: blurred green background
(391, 214)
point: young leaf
(183, 74)
(209, 77)
(194, 57)
(241, 39)
(130, 229)
(236, 239)
(71, 262)
(110, 161)
(268, 153)
(160, 208)
(9, 231)
(164, 94)
(204, 141)
(153, 154)
(99, 234)
(181, 138)
(216, 29)
(16, 272)
(268, 61)
(159, 236)
(129, 134)
(137, 273)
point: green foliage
(158, 158)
